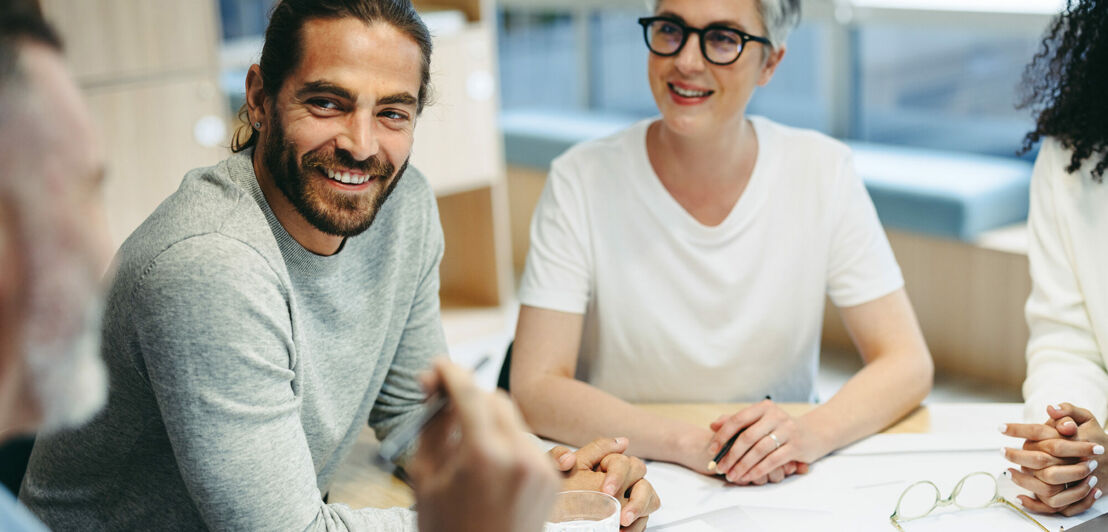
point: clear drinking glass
(584, 511)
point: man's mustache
(374, 166)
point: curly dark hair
(1065, 85)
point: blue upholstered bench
(938, 193)
(947, 194)
(534, 138)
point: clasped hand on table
(1061, 461)
(602, 466)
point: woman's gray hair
(778, 16)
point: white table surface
(857, 487)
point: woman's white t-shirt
(679, 311)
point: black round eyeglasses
(720, 45)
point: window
(244, 18)
(539, 60)
(938, 74)
(947, 88)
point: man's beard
(62, 333)
(328, 210)
(69, 377)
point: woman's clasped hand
(1061, 461)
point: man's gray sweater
(243, 366)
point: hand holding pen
(762, 455)
(404, 436)
(476, 467)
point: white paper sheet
(917, 443)
(750, 519)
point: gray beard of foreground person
(243, 366)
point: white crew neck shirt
(676, 311)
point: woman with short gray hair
(688, 258)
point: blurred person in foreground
(688, 259)
(1062, 461)
(53, 244)
(282, 299)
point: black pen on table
(406, 434)
(726, 447)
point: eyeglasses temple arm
(1025, 514)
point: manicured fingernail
(1092, 465)
(1097, 494)
(1056, 407)
(1003, 427)
(628, 517)
(566, 459)
(1004, 452)
(621, 441)
(1098, 449)
(1070, 424)
(1092, 481)
(713, 448)
(610, 488)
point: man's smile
(348, 177)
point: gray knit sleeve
(215, 339)
(422, 339)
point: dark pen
(723, 452)
(405, 435)
(726, 447)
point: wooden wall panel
(472, 269)
(112, 40)
(458, 143)
(475, 10)
(148, 69)
(524, 188)
(969, 300)
(148, 134)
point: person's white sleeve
(861, 266)
(1064, 363)
(558, 275)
